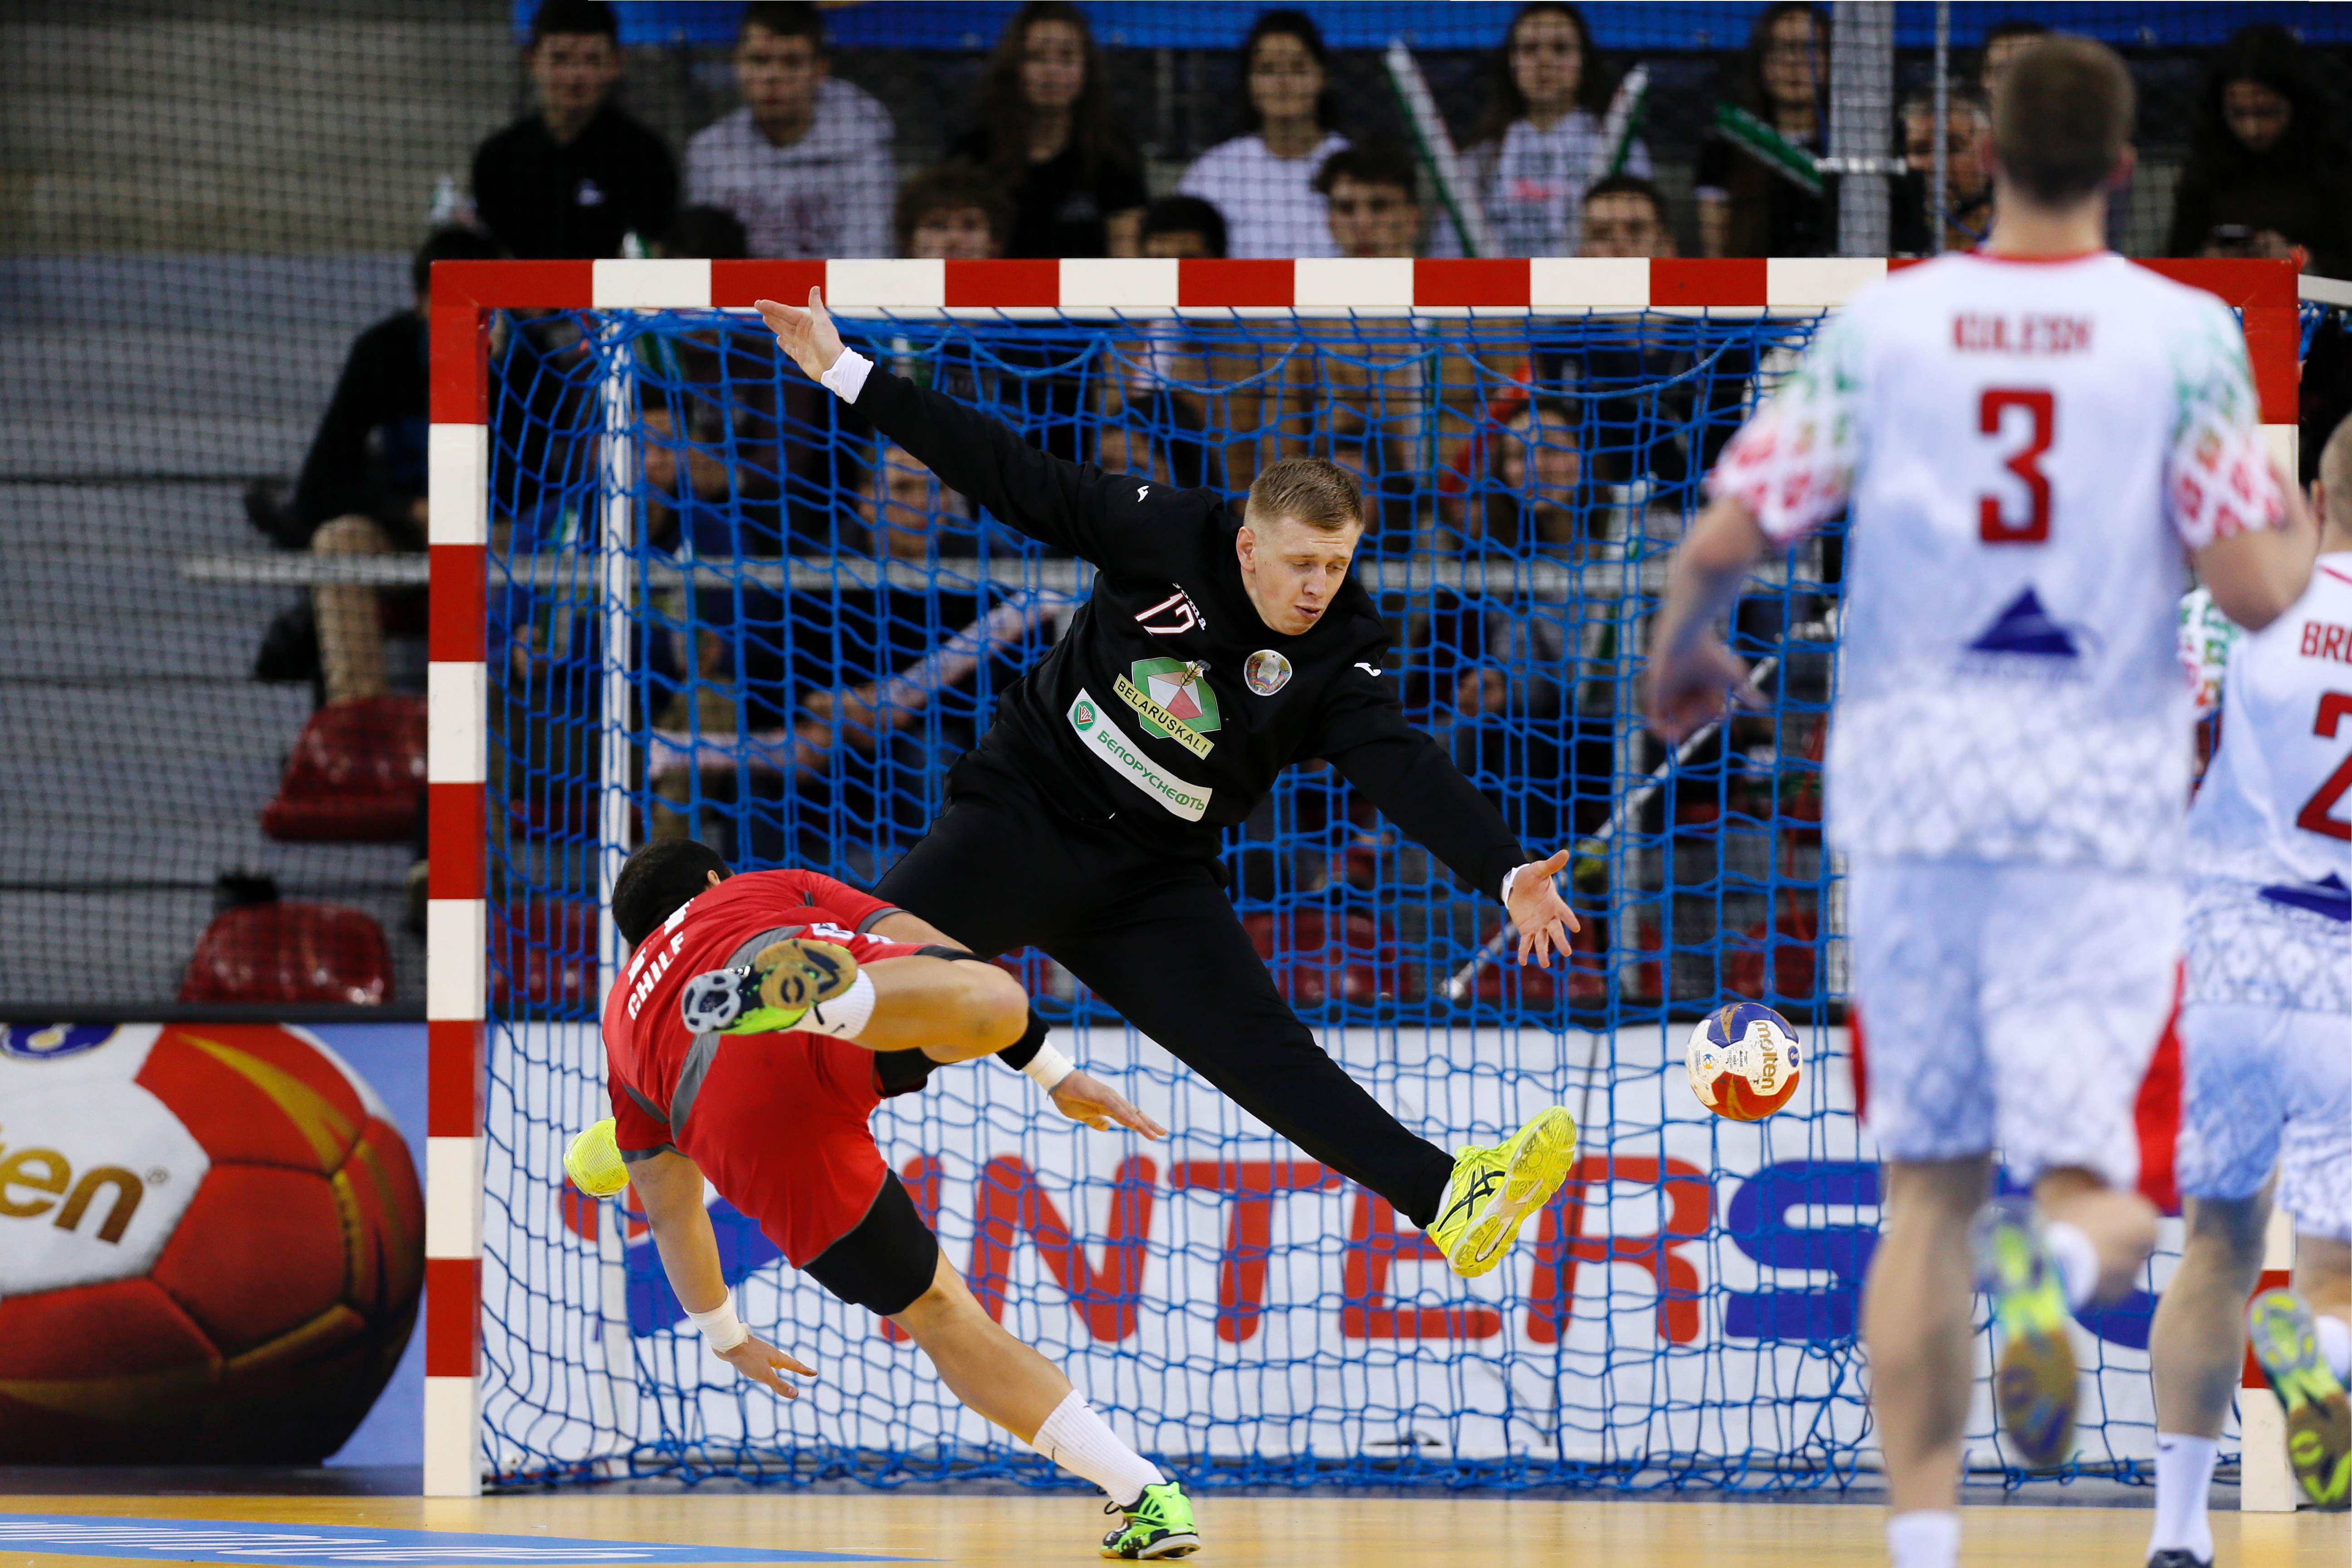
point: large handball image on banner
(211, 1245)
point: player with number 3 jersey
(2026, 441)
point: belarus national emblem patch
(1266, 672)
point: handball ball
(1743, 1061)
(212, 1244)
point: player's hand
(758, 1360)
(807, 333)
(1542, 916)
(1082, 1097)
(1683, 691)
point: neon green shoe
(1494, 1188)
(774, 991)
(1158, 1525)
(2034, 1386)
(2318, 1419)
(592, 1160)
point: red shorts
(781, 1129)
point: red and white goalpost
(464, 295)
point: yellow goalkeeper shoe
(1496, 1186)
(774, 991)
(593, 1160)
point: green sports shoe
(1160, 1524)
(774, 991)
(2318, 1419)
(2034, 1385)
(1495, 1187)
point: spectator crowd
(1530, 442)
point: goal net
(678, 590)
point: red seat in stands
(280, 953)
(1785, 956)
(1316, 957)
(545, 955)
(356, 775)
(1505, 982)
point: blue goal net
(722, 607)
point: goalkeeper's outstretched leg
(1160, 941)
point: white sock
(2184, 1479)
(1924, 1538)
(1082, 1443)
(2335, 1346)
(2077, 1260)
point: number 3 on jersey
(1995, 523)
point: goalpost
(675, 590)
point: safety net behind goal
(691, 594)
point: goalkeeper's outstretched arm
(669, 1186)
(1050, 498)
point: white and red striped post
(457, 934)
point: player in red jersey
(810, 1016)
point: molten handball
(1743, 1061)
(212, 1245)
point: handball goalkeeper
(1215, 652)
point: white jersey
(827, 194)
(2026, 446)
(2270, 836)
(1270, 205)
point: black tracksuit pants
(1156, 939)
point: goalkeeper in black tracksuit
(1215, 652)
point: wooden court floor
(1376, 1532)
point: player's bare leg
(951, 1010)
(1011, 1385)
(1914, 1325)
(2323, 1277)
(2196, 1349)
(2119, 1225)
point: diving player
(749, 1041)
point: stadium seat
(544, 955)
(1785, 957)
(1317, 957)
(281, 952)
(1583, 979)
(356, 776)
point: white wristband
(1510, 876)
(1049, 1068)
(847, 376)
(721, 1326)
(844, 1015)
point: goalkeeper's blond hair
(1319, 493)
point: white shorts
(2266, 1087)
(2009, 1007)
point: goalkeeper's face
(1293, 571)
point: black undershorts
(887, 1259)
